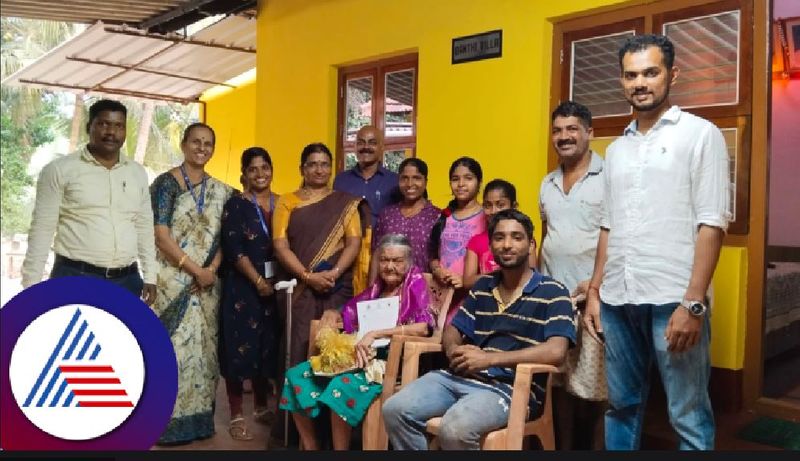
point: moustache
(366, 150)
(566, 143)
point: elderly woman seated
(350, 394)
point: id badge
(269, 269)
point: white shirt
(573, 223)
(98, 215)
(660, 187)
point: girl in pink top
(462, 219)
(497, 196)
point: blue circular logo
(87, 366)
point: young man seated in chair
(512, 316)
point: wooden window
(713, 45)
(380, 93)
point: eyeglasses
(320, 165)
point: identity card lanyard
(261, 215)
(202, 200)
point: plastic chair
(373, 432)
(511, 437)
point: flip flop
(238, 430)
(264, 416)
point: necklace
(506, 297)
(416, 208)
(311, 194)
(467, 212)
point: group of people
(628, 250)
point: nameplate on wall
(485, 45)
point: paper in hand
(377, 314)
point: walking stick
(287, 285)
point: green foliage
(30, 118)
(17, 144)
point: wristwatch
(695, 308)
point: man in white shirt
(570, 204)
(97, 203)
(666, 209)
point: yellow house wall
(496, 110)
(728, 309)
(232, 114)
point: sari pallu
(316, 234)
(191, 319)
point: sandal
(238, 430)
(264, 416)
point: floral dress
(350, 394)
(249, 324)
(191, 319)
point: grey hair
(392, 240)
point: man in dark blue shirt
(515, 315)
(368, 179)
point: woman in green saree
(187, 204)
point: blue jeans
(468, 411)
(634, 338)
(131, 282)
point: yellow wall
(729, 306)
(491, 109)
(232, 114)
(495, 110)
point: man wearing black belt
(97, 203)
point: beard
(647, 107)
(516, 263)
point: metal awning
(160, 16)
(124, 61)
(89, 11)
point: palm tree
(24, 41)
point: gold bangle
(182, 260)
(306, 275)
(259, 280)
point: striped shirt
(542, 311)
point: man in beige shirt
(97, 203)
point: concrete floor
(658, 434)
(222, 440)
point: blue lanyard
(202, 200)
(261, 215)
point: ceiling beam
(88, 11)
(177, 11)
(180, 39)
(135, 94)
(88, 4)
(71, 16)
(148, 71)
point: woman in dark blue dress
(249, 329)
